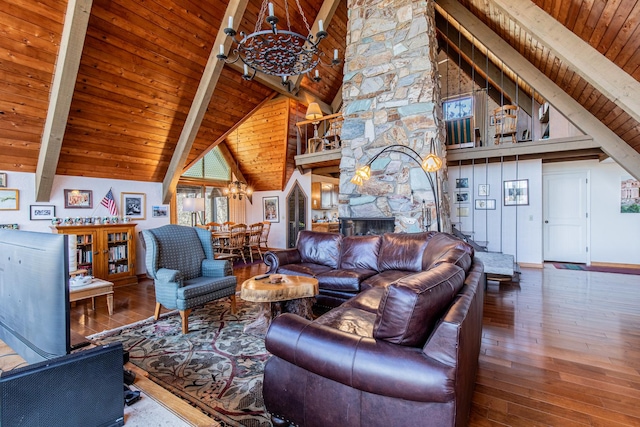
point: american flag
(109, 203)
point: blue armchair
(186, 275)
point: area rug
(215, 367)
(602, 269)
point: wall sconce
(195, 205)
(430, 164)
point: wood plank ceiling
(142, 61)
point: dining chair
(253, 239)
(264, 236)
(236, 241)
(227, 225)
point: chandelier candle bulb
(221, 49)
(246, 70)
(230, 22)
(320, 25)
(317, 74)
(271, 12)
(335, 54)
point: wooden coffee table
(96, 288)
(295, 294)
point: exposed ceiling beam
(62, 88)
(200, 103)
(591, 65)
(610, 143)
(337, 101)
(228, 132)
(231, 161)
(326, 12)
(469, 57)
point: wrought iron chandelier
(275, 52)
(237, 189)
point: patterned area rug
(216, 367)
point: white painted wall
(278, 232)
(25, 183)
(515, 230)
(614, 236)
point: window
(458, 108)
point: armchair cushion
(411, 306)
(204, 286)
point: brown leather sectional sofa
(402, 350)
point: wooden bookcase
(106, 251)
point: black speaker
(80, 389)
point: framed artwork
(81, 199)
(462, 211)
(271, 212)
(629, 195)
(133, 205)
(9, 199)
(9, 226)
(486, 204)
(458, 108)
(3, 179)
(516, 192)
(483, 189)
(159, 211)
(462, 197)
(38, 212)
(462, 182)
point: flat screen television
(34, 294)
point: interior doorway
(566, 217)
(296, 214)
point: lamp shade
(313, 112)
(432, 163)
(193, 204)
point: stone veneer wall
(391, 96)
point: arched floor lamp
(430, 164)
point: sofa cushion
(411, 306)
(368, 300)
(344, 280)
(303, 269)
(439, 248)
(360, 252)
(400, 251)
(383, 279)
(349, 319)
(456, 256)
(319, 248)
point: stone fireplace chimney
(391, 96)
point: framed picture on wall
(271, 212)
(160, 211)
(38, 212)
(462, 211)
(3, 179)
(9, 199)
(516, 192)
(485, 204)
(462, 182)
(483, 189)
(462, 197)
(81, 199)
(133, 205)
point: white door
(565, 217)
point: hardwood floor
(560, 348)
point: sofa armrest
(274, 259)
(216, 268)
(370, 365)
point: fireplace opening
(366, 226)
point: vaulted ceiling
(149, 97)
